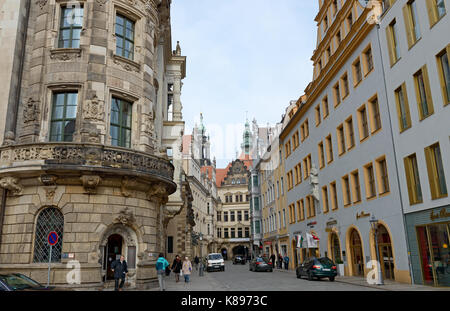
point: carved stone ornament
(101, 2)
(94, 109)
(41, 3)
(50, 192)
(31, 111)
(48, 180)
(75, 154)
(127, 184)
(9, 139)
(159, 192)
(149, 125)
(65, 54)
(90, 183)
(12, 184)
(126, 64)
(125, 217)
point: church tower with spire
(247, 141)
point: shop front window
(434, 243)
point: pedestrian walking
(286, 262)
(196, 261)
(176, 267)
(187, 269)
(272, 258)
(161, 265)
(120, 269)
(280, 261)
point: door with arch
(385, 253)
(335, 248)
(356, 252)
(113, 250)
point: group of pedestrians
(280, 261)
(179, 268)
(163, 269)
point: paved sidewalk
(388, 284)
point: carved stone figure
(90, 183)
(314, 181)
(125, 217)
(31, 111)
(158, 191)
(12, 184)
(127, 184)
(94, 109)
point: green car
(317, 268)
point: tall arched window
(49, 219)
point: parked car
(20, 282)
(215, 262)
(239, 259)
(317, 268)
(260, 264)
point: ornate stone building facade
(233, 211)
(84, 151)
(201, 174)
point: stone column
(177, 107)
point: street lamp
(374, 224)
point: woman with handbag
(176, 267)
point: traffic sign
(52, 238)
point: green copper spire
(247, 141)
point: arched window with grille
(49, 219)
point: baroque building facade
(233, 211)
(84, 150)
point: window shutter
(409, 180)
(408, 25)
(431, 11)
(446, 97)
(428, 89)
(431, 167)
(390, 44)
(407, 112)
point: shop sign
(331, 223)
(362, 215)
(267, 243)
(442, 214)
(312, 223)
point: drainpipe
(408, 247)
(2, 211)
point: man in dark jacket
(120, 269)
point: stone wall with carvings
(87, 219)
(93, 70)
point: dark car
(20, 282)
(317, 268)
(260, 264)
(239, 259)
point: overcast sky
(242, 55)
